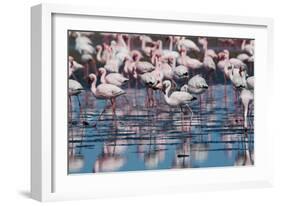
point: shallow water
(138, 137)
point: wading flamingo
(74, 89)
(247, 98)
(105, 91)
(177, 98)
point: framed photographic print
(135, 102)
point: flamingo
(181, 72)
(177, 98)
(83, 44)
(74, 89)
(249, 48)
(247, 98)
(250, 82)
(103, 56)
(237, 63)
(196, 85)
(245, 57)
(166, 53)
(237, 77)
(209, 55)
(204, 42)
(105, 91)
(142, 66)
(147, 49)
(187, 44)
(73, 66)
(191, 63)
(112, 78)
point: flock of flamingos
(180, 68)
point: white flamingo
(245, 57)
(83, 44)
(181, 72)
(105, 91)
(249, 48)
(237, 77)
(196, 85)
(142, 66)
(74, 89)
(177, 98)
(250, 83)
(73, 66)
(112, 78)
(188, 44)
(247, 98)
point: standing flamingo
(73, 66)
(105, 91)
(177, 98)
(247, 98)
(191, 63)
(74, 89)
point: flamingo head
(184, 88)
(91, 78)
(202, 40)
(136, 55)
(101, 70)
(221, 56)
(166, 84)
(98, 47)
(70, 60)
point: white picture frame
(49, 180)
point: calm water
(142, 138)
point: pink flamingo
(191, 63)
(147, 49)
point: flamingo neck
(166, 96)
(160, 45)
(102, 79)
(142, 44)
(174, 63)
(171, 44)
(129, 43)
(243, 44)
(183, 53)
(205, 46)
(246, 105)
(93, 87)
(99, 55)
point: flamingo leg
(113, 103)
(95, 124)
(190, 112)
(78, 101)
(225, 90)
